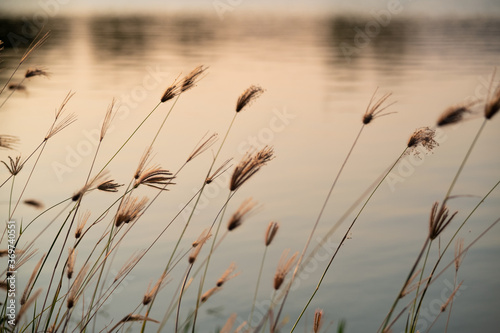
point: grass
(79, 282)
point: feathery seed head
(108, 118)
(445, 305)
(493, 105)
(220, 170)
(201, 148)
(439, 220)
(155, 177)
(375, 110)
(59, 125)
(14, 166)
(71, 263)
(454, 114)
(142, 163)
(171, 92)
(459, 254)
(109, 186)
(271, 231)
(192, 78)
(248, 96)
(249, 165)
(284, 266)
(30, 72)
(241, 214)
(130, 210)
(227, 275)
(136, 317)
(318, 316)
(209, 293)
(148, 297)
(34, 203)
(17, 86)
(423, 136)
(82, 220)
(98, 178)
(8, 141)
(75, 287)
(198, 244)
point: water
(319, 73)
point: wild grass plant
(79, 284)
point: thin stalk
(9, 95)
(165, 119)
(191, 214)
(10, 78)
(57, 263)
(447, 196)
(27, 181)
(45, 211)
(317, 220)
(257, 287)
(202, 280)
(443, 270)
(441, 256)
(180, 297)
(33, 46)
(147, 249)
(451, 302)
(414, 313)
(73, 220)
(342, 241)
(45, 260)
(128, 139)
(405, 284)
(26, 160)
(10, 195)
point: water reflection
(301, 63)
(345, 41)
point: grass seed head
(493, 105)
(248, 96)
(454, 114)
(249, 165)
(31, 72)
(271, 231)
(284, 266)
(241, 213)
(439, 220)
(15, 166)
(192, 78)
(318, 316)
(130, 210)
(227, 275)
(424, 137)
(198, 244)
(209, 293)
(375, 110)
(8, 141)
(171, 92)
(34, 203)
(109, 186)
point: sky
(428, 7)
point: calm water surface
(319, 76)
